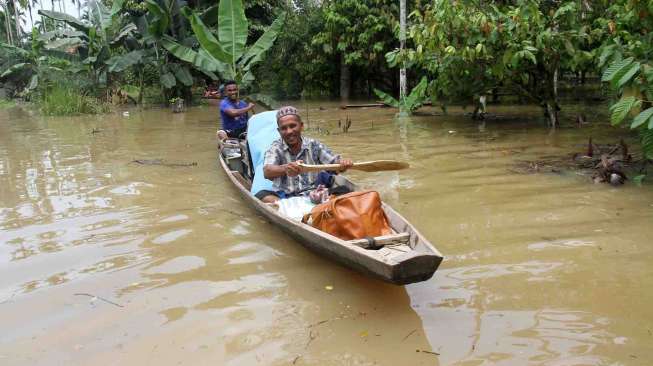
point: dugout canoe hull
(415, 261)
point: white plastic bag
(295, 208)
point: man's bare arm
(275, 171)
(233, 112)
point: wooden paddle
(366, 166)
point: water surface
(105, 261)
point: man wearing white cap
(282, 159)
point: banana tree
(93, 41)
(30, 67)
(227, 53)
(410, 103)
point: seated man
(284, 155)
(233, 112)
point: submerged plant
(411, 102)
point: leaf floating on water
(328, 288)
(364, 334)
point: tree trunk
(8, 25)
(140, 86)
(345, 79)
(402, 44)
(552, 113)
(17, 22)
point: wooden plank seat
(381, 241)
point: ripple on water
(131, 189)
(174, 218)
(171, 236)
(560, 244)
(252, 253)
(178, 265)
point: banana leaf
(116, 6)
(124, 32)
(386, 98)
(224, 69)
(255, 53)
(206, 39)
(263, 100)
(183, 75)
(159, 24)
(247, 79)
(68, 19)
(33, 83)
(63, 44)
(18, 50)
(122, 62)
(168, 80)
(232, 28)
(15, 68)
(417, 96)
(101, 16)
(200, 61)
(48, 36)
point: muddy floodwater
(108, 262)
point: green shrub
(5, 103)
(63, 100)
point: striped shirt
(311, 152)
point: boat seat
(381, 241)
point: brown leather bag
(351, 216)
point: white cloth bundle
(295, 208)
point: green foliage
(646, 137)
(626, 59)
(621, 109)
(361, 31)
(468, 48)
(226, 54)
(4, 103)
(294, 67)
(387, 98)
(63, 100)
(410, 103)
(643, 118)
(232, 27)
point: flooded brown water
(108, 262)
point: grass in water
(64, 101)
(4, 103)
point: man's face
(232, 91)
(290, 128)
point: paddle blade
(380, 165)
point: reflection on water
(540, 269)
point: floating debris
(163, 163)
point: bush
(4, 103)
(63, 100)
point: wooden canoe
(402, 258)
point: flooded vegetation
(122, 243)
